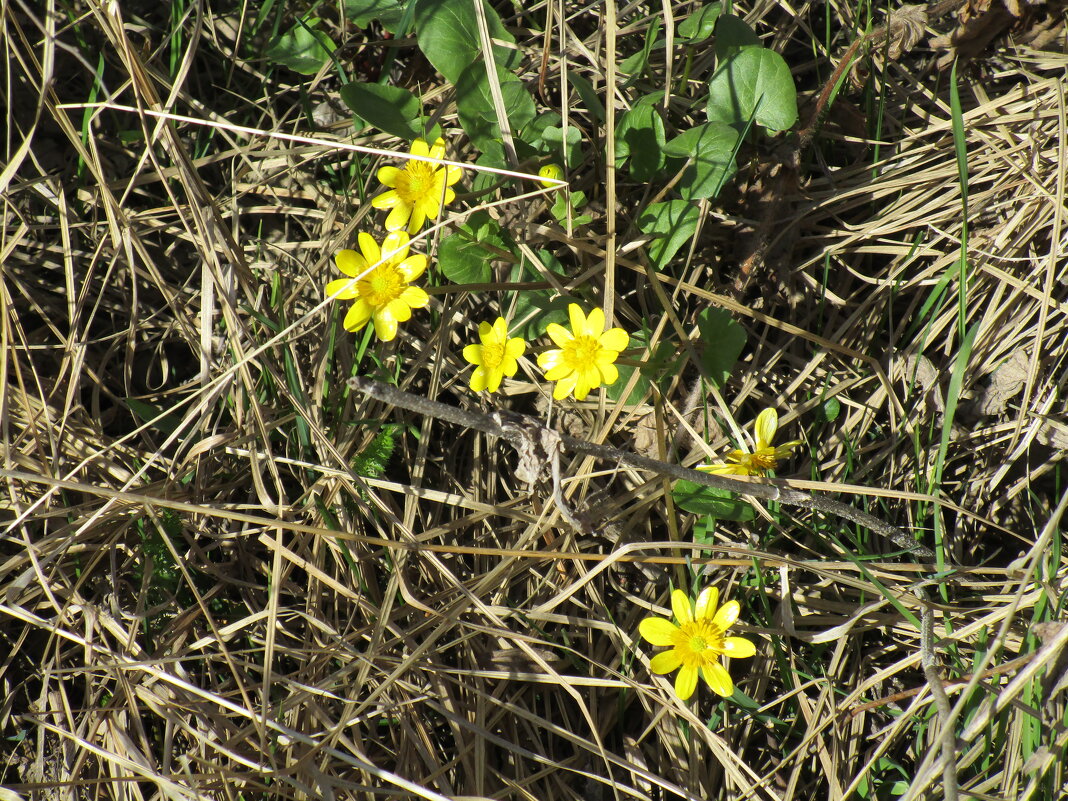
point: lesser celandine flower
(418, 191)
(697, 642)
(764, 458)
(495, 358)
(585, 354)
(380, 283)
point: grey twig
(508, 425)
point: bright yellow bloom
(380, 283)
(495, 358)
(418, 191)
(697, 642)
(584, 359)
(764, 458)
(552, 172)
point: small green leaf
(720, 504)
(671, 224)
(391, 109)
(361, 12)
(722, 340)
(449, 38)
(465, 257)
(754, 83)
(699, 25)
(166, 423)
(829, 410)
(302, 48)
(640, 137)
(636, 64)
(732, 34)
(710, 148)
(589, 96)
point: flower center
(582, 352)
(415, 182)
(382, 286)
(763, 460)
(492, 355)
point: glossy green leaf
(587, 94)
(448, 36)
(302, 48)
(640, 139)
(636, 64)
(720, 504)
(391, 109)
(699, 25)
(534, 309)
(362, 12)
(466, 256)
(753, 84)
(671, 224)
(732, 34)
(710, 149)
(722, 341)
(474, 104)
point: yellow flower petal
(369, 248)
(680, 605)
(594, 323)
(515, 348)
(350, 262)
(357, 316)
(420, 147)
(727, 614)
(398, 217)
(388, 176)
(473, 354)
(658, 631)
(738, 647)
(686, 681)
(577, 319)
(385, 325)
(705, 607)
(665, 662)
(341, 289)
(550, 360)
(615, 339)
(387, 200)
(478, 380)
(564, 386)
(767, 423)
(717, 677)
(560, 336)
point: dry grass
(208, 592)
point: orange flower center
(761, 461)
(415, 182)
(384, 285)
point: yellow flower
(552, 172)
(697, 642)
(495, 358)
(380, 282)
(764, 458)
(584, 359)
(418, 191)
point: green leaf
(167, 423)
(302, 48)
(589, 96)
(720, 504)
(474, 104)
(732, 34)
(465, 257)
(534, 309)
(754, 83)
(361, 12)
(640, 137)
(449, 38)
(699, 25)
(829, 410)
(671, 224)
(722, 340)
(710, 148)
(391, 109)
(636, 64)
